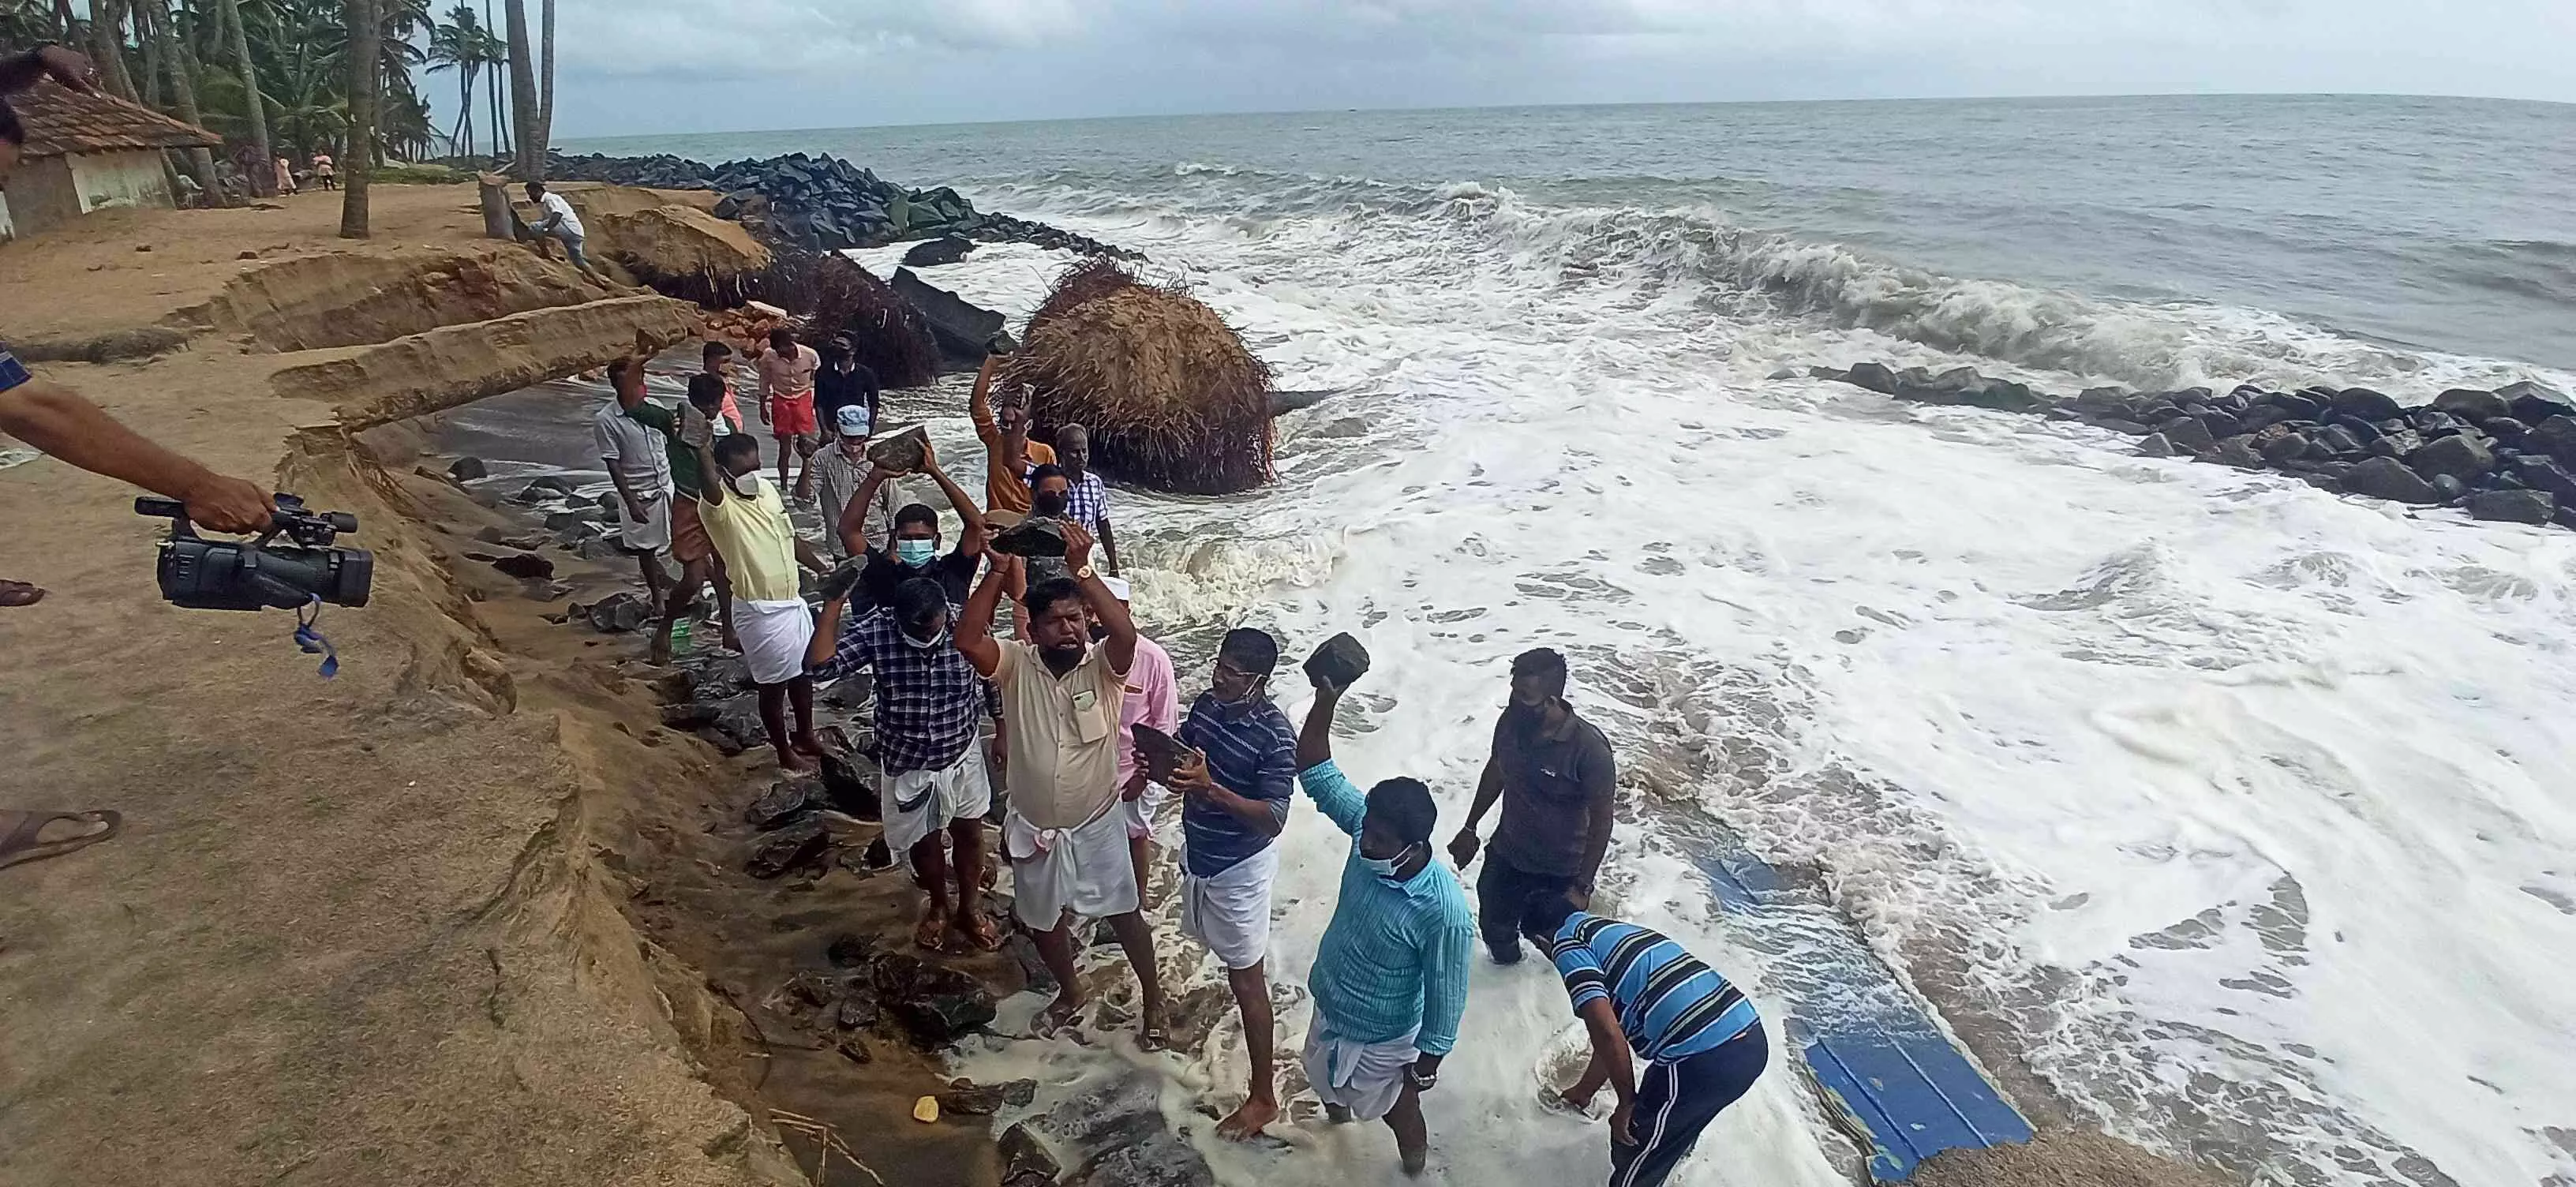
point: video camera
(201, 574)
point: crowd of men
(1086, 720)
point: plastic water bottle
(680, 632)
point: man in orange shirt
(1009, 455)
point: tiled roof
(63, 122)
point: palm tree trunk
(153, 95)
(65, 24)
(461, 140)
(523, 93)
(366, 84)
(107, 47)
(263, 179)
(174, 58)
(546, 97)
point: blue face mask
(916, 552)
(1385, 867)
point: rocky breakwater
(824, 203)
(2507, 455)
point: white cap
(1117, 588)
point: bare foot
(932, 932)
(1414, 1159)
(732, 641)
(1247, 1122)
(660, 656)
(794, 761)
(1058, 1016)
(808, 744)
(981, 929)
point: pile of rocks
(2507, 454)
(824, 203)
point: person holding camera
(59, 423)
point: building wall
(120, 179)
(42, 195)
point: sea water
(2236, 811)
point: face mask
(916, 552)
(747, 485)
(1385, 867)
(1049, 504)
(925, 644)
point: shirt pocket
(1094, 716)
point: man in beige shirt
(1061, 699)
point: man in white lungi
(930, 704)
(747, 521)
(1236, 785)
(635, 437)
(1064, 834)
(1390, 978)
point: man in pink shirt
(1153, 698)
(787, 397)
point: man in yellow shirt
(746, 519)
(1061, 701)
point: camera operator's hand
(230, 505)
(67, 68)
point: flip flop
(1154, 1038)
(931, 935)
(984, 934)
(19, 593)
(19, 830)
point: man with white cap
(1154, 699)
(840, 473)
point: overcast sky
(644, 66)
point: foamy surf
(2222, 800)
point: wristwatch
(1421, 1081)
(1084, 573)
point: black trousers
(1503, 893)
(1678, 1100)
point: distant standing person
(557, 219)
(1236, 788)
(690, 544)
(747, 520)
(845, 382)
(1390, 978)
(1009, 455)
(787, 397)
(716, 359)
(1154, 699)
(1063, 833)
(931, 777)
(1558, 783)
(635, 444)
(838, 472)
(325, 172)
(285, 176)
(1637, 991)
(1086, 499)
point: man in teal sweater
(1390, 979)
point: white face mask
(747, 485)
(1385, 867)
(937, 640)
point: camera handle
(177, 513)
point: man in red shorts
(787, 398)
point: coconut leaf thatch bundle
(835, 296)
(1172, 397)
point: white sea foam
(2236, 804)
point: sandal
(983, 933)
(1154, 1038)
(931, 935)
(19, 593)
(19, 832)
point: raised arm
(714, 485)
(974, 635)
(1112, 613)
(853, 528)
(979, 406)
(1315, 741)
(970, 539)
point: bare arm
(853, 528)
(1611, 1063)
(59, 422)
(1267, 817)
(1315, 740)
(974, 634)
(1489, 788)
(714, 485)
(827, 635)
(979, 406)
(1112, 613)
(1596, 830)
(806, 556)
(971, 538)
(1109, 545)
(20, 71)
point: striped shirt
(1086, 502)
(1671, 1005)
(1394, 959)
(1253, 756)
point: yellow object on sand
(926, 1110)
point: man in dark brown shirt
(1557, 782)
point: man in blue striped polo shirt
(1236, 789)
(1390, 978)
(1637, 990)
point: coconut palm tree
(365, 63)
(255, 106)
(458, 46)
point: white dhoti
(1365, 1078)
(915, 805)
(1140, 811)
(650, 533)
(774, 637)
(1230, 913)
(1084, 869)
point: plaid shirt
(927, 697)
